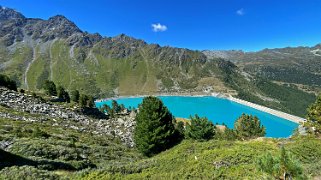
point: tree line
(82, 99)
(114, 109)
(157, 130)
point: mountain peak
(128, 39)
(61, 26)
(9, 14)
(59, 18)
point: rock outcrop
(37, 110)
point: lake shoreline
(286, 116)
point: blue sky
(249, 25)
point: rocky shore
(35, 110)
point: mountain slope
(298, 66)
(57, 49)
(35, 50)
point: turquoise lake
(217, 110)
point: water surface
(217, 110)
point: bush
(284, 166)
(248, 126)
(200, 129)
(26, 172)
(155, 129)
(38, 133)
(226, 134)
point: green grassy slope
(63, 153)
(44, 150)
(121, 68)
(215, 159)
(101, 72)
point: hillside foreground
(43, 146)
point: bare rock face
(7, 14)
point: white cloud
(240, 12)
(159, 27)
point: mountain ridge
(35, 50)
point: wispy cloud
(240, 12)
(159, 27)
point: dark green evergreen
(180, 127)
(86, 101)
(200, 129)
(248, 126)
(115, 106)
(75, 96)
(62, 94)
(50, 88)
(155, 131)
(83, 100)
(5, 81)
(90, 102)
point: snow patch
(316, 52)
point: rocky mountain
(296, 65)
(35, 50)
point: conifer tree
(155, 129)
(200, 129)
(248, 126)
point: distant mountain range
(297, 65)
(34, 50)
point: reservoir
(217, 110)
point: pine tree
(5, 81)
(75, 96)
(155, 129)
(66, 97)
(83, 100)
(200, 129)
(248, 126)
(90, 102)
(60, 92)
(50, 88)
